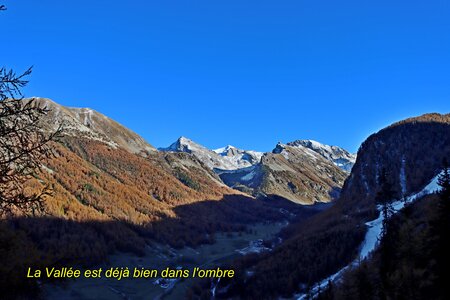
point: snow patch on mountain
(249, 176)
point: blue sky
(246, 73)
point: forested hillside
(106, 199)
(411, 262)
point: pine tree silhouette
(441, 229)
(384, 197)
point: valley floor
(226, 247)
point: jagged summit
(251, 156)
(225, 150)
(183, 144)
(279, 148)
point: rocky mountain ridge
(88, 123)
(302, 174)
(291, 171)
(339, 156)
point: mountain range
(113, 191)
(303, 171)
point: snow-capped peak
(339, 156)
(183, 144)
(185, 140)
(235, 154)
(226, 158)
(224, 150)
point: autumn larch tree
(23, 143)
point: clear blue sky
(246, 73)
